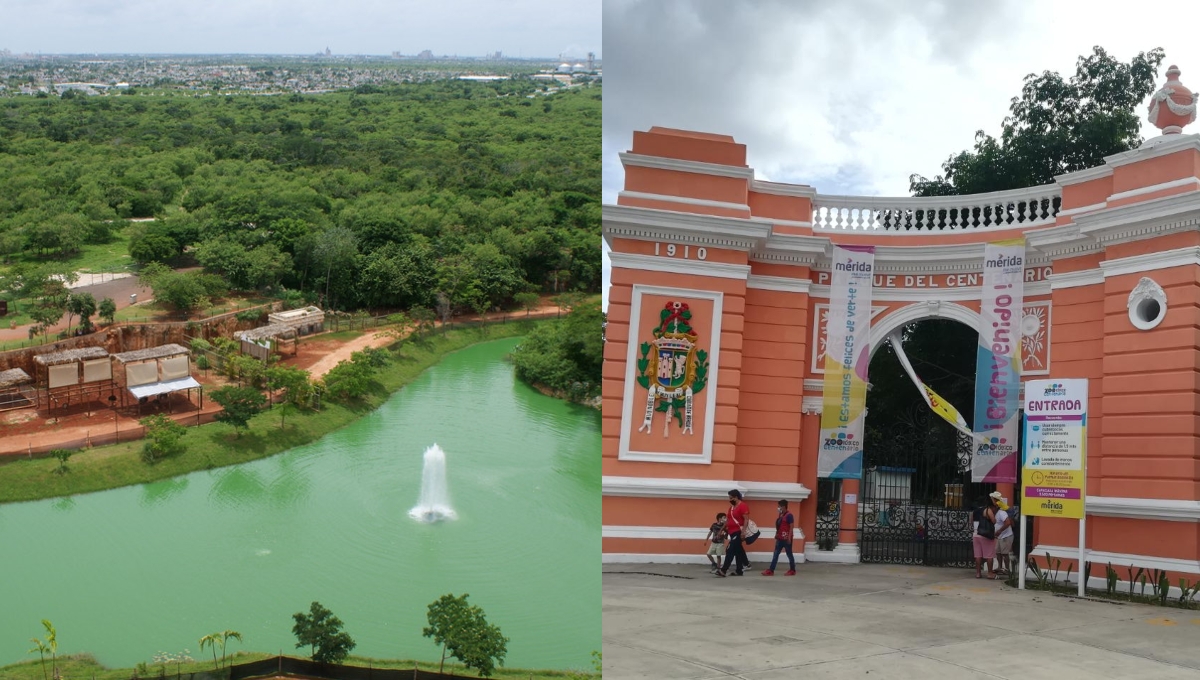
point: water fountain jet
(434, 504)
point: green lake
(128, 573)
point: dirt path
(117, 289)
(343, 352)
(23, 429)
(319, 356)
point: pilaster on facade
(1122, 237)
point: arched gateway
(721, 292)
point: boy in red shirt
(784, 525)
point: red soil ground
(25, 430)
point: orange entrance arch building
(1112, 294)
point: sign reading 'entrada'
(938, 280)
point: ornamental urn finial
(1173, 106)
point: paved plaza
(676, 622)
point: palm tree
(225, 637)
(41, 649)
(52, 644)
(211, 640)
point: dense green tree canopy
(380, 198)
(1057, 125)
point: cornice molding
(812, 405)
(1153, 149)
(759, 186)
(679, 558)
(702, 202)
(1144, 508)
(1136, 264)
(781, 222)
(1085, 277)
(1142, 191)
(670, 265)
(1081, 176)
(660, 533)
(1117, 559)
(793, 249)
(779, 283)
(1089, 233)
(1083, 209)
(1142, 220)
(678, 165)
(965, 293)
(659, 487)
(651, 224)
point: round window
(1147, 305)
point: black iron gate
(916, 497)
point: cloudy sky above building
(527, 28)
(853, 96)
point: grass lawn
(338, 336)
(217, 445)
(84, 666)
(103, 257)
(150, 311)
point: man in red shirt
(784, 525)
(739, 516)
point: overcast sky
(528, 28)
(853, 96)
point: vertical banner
(1053, 478)
(847, 354)
(998, 365)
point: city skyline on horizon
(524, 29)
(484, 56)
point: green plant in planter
(1110, 579)
(1067, 577)
(1164, 588)
(1042, 577)
(1053, 564)
(1187, 592)
(1155, 582)
(1133, 578)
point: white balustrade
(1030, 207)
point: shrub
(163, 438)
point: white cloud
(851, 97)
(530, 28)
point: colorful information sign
(1053, 477)
(847, 354)
(998, 363)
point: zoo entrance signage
(1053, 479)
(969, 280)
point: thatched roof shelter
(70, 356)
(160, 352)
(13, 377)
(275, 330)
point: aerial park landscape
(367, 468)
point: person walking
(735, 525)
(784, 525)
(715, 542)
(984, 538)
(1004, 535)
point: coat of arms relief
(673, 369)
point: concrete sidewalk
(670, 622)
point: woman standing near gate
(735, 525)
(984, 538)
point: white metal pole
(1021, 552)
(1082, 536)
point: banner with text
(1053, 477)
(932, 399)
(847, 354)
(998, 365)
